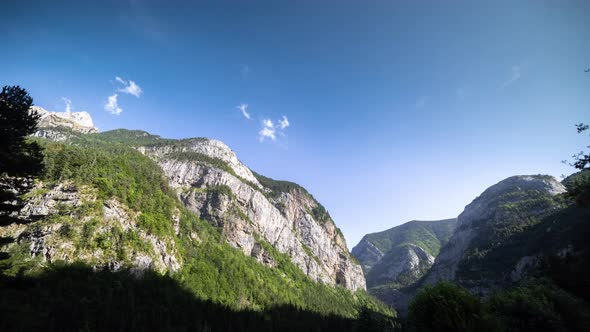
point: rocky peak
(209, 147)
(77, 121)
(59, 126)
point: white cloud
(267, 131)
(112, 106)
(284, 122)
(421, 102)
(268, 123)
(130, 87)
(516, 74)
(68, 103)
(243, 108)
(270, 130)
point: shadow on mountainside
(76, 298)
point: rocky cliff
(210, 181)
(215, 185)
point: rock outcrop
(220, 189)
(62, 223)
(59, 126)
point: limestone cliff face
(59, 126)
(248, 213)
(514, 202)
(209, 147)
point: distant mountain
(400, 255)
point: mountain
(488, 247)
(402, 254)
(126, 201)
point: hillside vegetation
(108, 166)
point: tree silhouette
(582, 159)
(19, 158)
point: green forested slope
(211, 270)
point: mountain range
(183, 223)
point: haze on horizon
(386, 112)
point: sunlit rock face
(59, 126)
(249, 213)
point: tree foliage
(17, 156)
(581, 159)
(446, 307)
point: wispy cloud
(129, 87)
(422, 101)
(68, 106)
(284, 122)
(243, 108)
(112, 105)
(516, 73)
(268, 130)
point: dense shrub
(446, 307)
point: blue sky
(397, 110)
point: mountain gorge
(128, 201)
